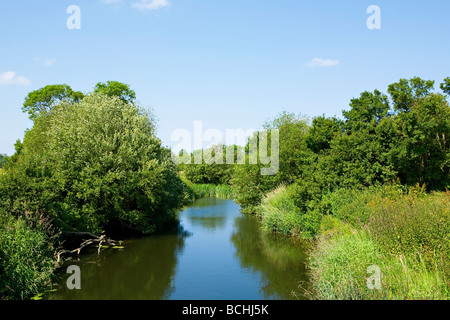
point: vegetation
(407, 237)
(212, 191)
(3, 160)
(205, 172)
(83, 166)
(27, 255)
(370, 190)
(45, 99)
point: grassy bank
(404, 233)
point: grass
(405, 233)
(27, 256)
(339, 271)
(279, 214)
(211, 190)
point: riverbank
(402, 233)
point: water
(217, 253)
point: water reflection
(280, 260)
(144, 270)
(215, 252)
(208, 213)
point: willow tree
(89, 163)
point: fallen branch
(92, 239)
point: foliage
(399, 137)
(249, 186)
(445, 86)
(404, 232)
(211, 190)
(205, 172)
(414, 224)
(43, 100)
(89, 163)
(3, 160)
(339, 271)
(279, 213)
(116, 89)
(27, 258)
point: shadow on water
(143, 270)
(280, 260)
(212, 252)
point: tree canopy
(45, 99)
(118, 89)
(88, 163)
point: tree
(322, 132)
(421, 150)
(445, 86)
(366, 111)
(88, 164)
(45, 99)
(249, 186)
(3, 159)
(118, 89)
(218, 172)
(406, 93)
(293, 130)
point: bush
(204, 173)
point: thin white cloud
(150, 4)
(46, 62)
(10, 77)
(319, 62)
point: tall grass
(211, 190)
(339, 271)
(279, 213)
(27, 256)
(405, 233)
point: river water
(216, 253)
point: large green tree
(90, 163)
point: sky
(230, 64)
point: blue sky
(231, 64)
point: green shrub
(278, 212)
